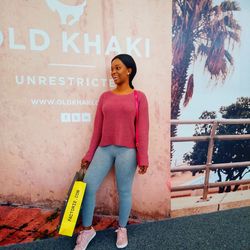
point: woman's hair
(129, 62)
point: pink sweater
(115, 124)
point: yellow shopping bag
(72, 205)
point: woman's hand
(142, 169)
(85, 164)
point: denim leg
(125, 167)
(98, 169)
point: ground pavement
(223, 230)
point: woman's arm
(143, 132)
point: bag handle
(80, 174)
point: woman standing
(113, 143)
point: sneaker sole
(121, 246)
(90, 240)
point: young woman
(113, 143)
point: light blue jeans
(124, 160)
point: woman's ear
(129, 71)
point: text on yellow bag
(72, 209)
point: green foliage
(199, 150)
(224, 151)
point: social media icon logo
(65, 117)
(86, 117)
(76, 117)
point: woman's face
(119, 72)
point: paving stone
(5, 232)
(19, 235)
(4, 211)
(18, 217)
(38, 221)
(8, 241)
(14, 238)
(50, 227)
(30, 224)
(28, 239)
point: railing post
(209, 160)
(209, 165)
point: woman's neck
(123, 89)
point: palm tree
(200, 29)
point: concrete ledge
(194, 205)
(235, 200)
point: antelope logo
(66, 11)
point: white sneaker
(122, 237)
(84, 238)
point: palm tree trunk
(179, 79)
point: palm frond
(216, 10)
(233, 35)
(231, 22)
(229, 6)
(216, 65)
(229, 57)
(203, 50)
(189, 90)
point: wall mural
(210, 79)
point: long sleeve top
(115, 122)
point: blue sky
(207, 95)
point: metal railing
(209, 165)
